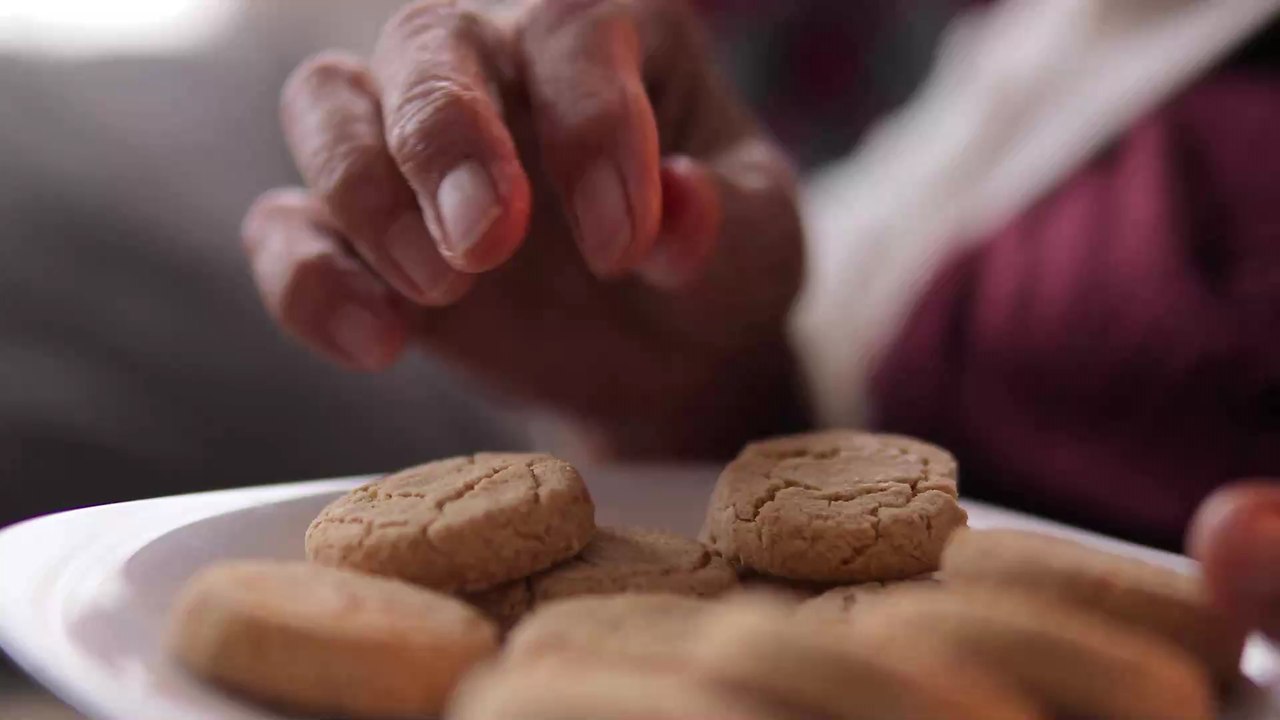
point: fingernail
(468, 206)
(604, 219)
(358, 334)
(414, 252)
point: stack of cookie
(415, 580)
(476, 542)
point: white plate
(84, 594)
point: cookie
(326, 641)
(459, 525)
(1077, 664)
(795, 591)
(632, 629)
(760, 650)
(1168, 603)
(630, 560)
(561, 689)
(838, 602)
(836, 507)
(504, 604)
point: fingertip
(450, 291)
(418, 270)
(333, 305)
(254, 226)
(1236, 536)
(366, 337)
(1232, 506)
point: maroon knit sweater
(1113, 354)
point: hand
(1236, 536)
(560, 196)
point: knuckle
(424, 17)
(550, 16)
(322, 71)
(349, 178)
(437, 110)
(600, 104)
(434, 25)
(339, 168)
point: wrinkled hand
(1236, 536)
(560, 196)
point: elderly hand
(560, 196)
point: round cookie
(630, 560)
(561, 689)
(837, 603)
(633, 629)
(836, 507)
(759, 649)
(326, 641)
(459, 525)
(1163, 601)
(1076, 663)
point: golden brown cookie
(504, 604)
(565, 689)
(760, 650)
(1163, 601)
(630, 560)
(326, 641)
(836, 507)
(1076, 663)
(838, 602)
(641, 629)
(460, 525)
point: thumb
(1236, 536)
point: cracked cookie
(653, 630)
(630, 560)
(1076, 663)
(836, 507)
(758, 649)
(1168, 603)
(326, 641)
(461, 525)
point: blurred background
(134, 357)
